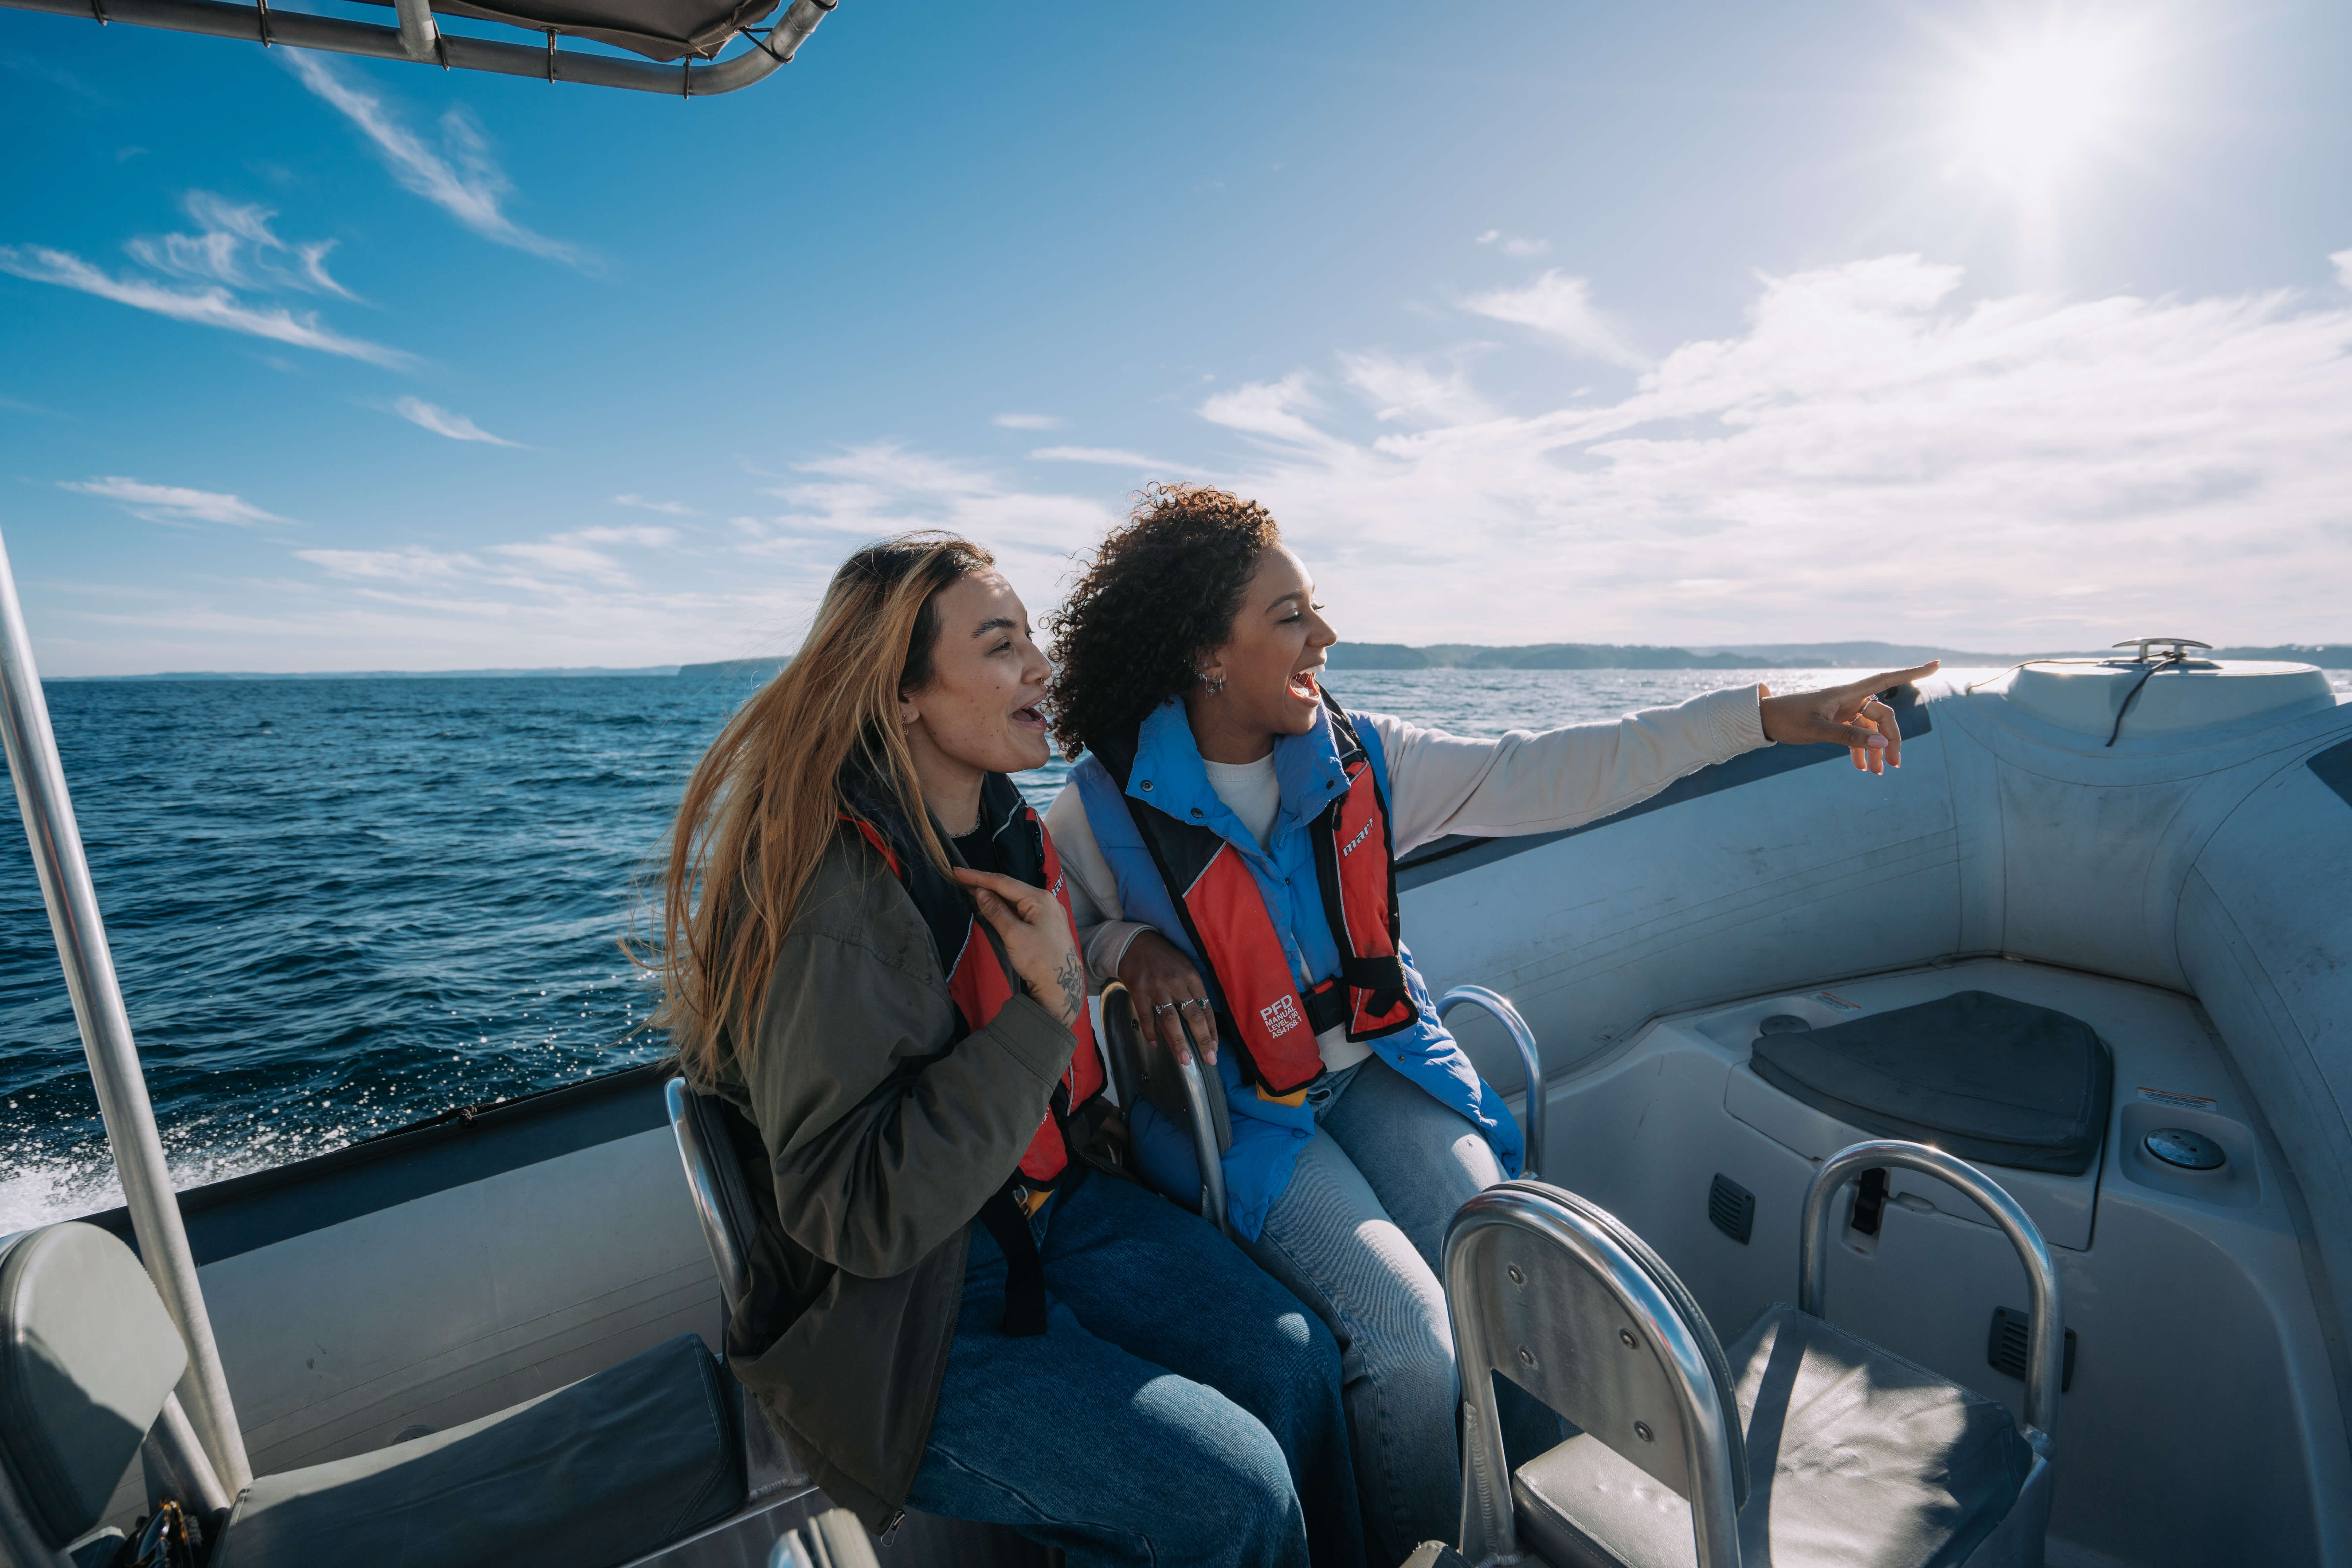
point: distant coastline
(1368, 655)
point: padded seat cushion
(1856, 1459)
(88, 1356)
(588, 1476)
(1990, 1079)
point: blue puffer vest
(1267, 1133)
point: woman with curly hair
(1229, 837)
(863, 954)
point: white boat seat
(1806, 1447)
(88, 1356)
(1856, 1459)
(591, 1476)
(1992, 1080)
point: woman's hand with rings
(1851, 716)
(1171, 1003)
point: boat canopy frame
(418, 40)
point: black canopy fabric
(659, 29)
(1993, 1081)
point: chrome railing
(1531, 1125)
(2045, 1354)
(122, 1102)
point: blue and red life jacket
(1225, 913)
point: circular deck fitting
(2189, 1150)
(1783, 1024)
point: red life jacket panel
(980, 987)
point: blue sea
(339, 906)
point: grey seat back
(88, 1356)
(714, 1175)
(1559, 1297)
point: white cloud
(1514, 244)
(238, 247)
(2343, 259)
(441, 422)
(1561, 307)
(647, 535)
(459, 178)
(881, 488)
(1869, 455)
(411, 564)
(172, 503)
(1275, 411)
(211, 306)
(1028, 422)
(670, 508)
(1109, 457)
(1412, 390)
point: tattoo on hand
(1072, 978)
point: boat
(1708, 999)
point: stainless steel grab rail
(1530, 1063)
(418, 42)
(1666, 1376)
(2045, 1354)
(1204, 1142)
(105, 1026)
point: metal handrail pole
(2045, 1356)
(122, 1102)
(1204, 1141)
(759, 59)
(1530, 1063)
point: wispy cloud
(209, 306)
(1109, 457)
(1560, 307)
(1514, 244)
(670, 507)
(441, 422)
(1867, 449)
(459, 176)
(1413, 390)
(172, 503)
(238, 247)
(641, 534)
(1027, 421)
(883, 487)
(2343, 260)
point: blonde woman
(868, 957)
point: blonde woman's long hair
(767, 798)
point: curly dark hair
(1160, 593)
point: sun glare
(2039, 102)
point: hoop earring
(1216, 685)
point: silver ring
(1195, 1001)
(1162, 1007)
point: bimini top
(686, 36)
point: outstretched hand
(1851, 716)
(1037, 938)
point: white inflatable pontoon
(2154, 851)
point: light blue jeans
(1357, 1235)
(1181, 1408)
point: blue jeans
(1357, 1235)
(1180, 1408)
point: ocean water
(340, 906)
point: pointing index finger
(1886, 680)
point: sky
(1998, 326)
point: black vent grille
(2005, 1347)
(1732, 1209)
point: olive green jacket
(880, 1144)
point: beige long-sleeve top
(1440, 783)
